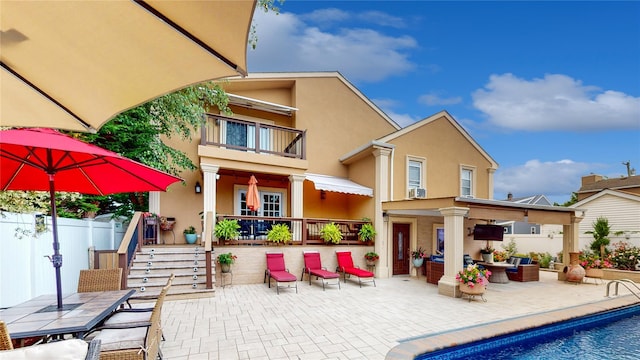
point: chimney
(590, 179)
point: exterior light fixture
(198, 187)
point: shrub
(279, 233)
(624, 256)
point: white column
(453, 249)
(154, 202)
(380, 194)
(490, 172)
(210, 177)
(297, 208)
(154, 208)
(570, 241)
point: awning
(337, 184)
(260, 105)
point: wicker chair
(99, 280)
(137, 315)
(132, 341)
(91, 351)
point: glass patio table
(80, 313)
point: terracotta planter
(475, 290)
(594, 273)
(371, 262)
(574, 272)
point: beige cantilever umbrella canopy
(76, 64)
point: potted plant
(487, 253)
(227, 229)
(371, 258)
(473, 280)
(190, 235)
(225, 260)
(367, 232)
(418, 257)
(593, 265)
(331, 233)
(279, 233)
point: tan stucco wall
(445, 150)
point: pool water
(609, 335)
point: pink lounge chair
(346, 267)
(313, 267)
(277, 271)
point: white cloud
(552, 178)
(388, 106)
(326, 16)
(382, 19)
(555, 102)
(433, 98)
(286, 43)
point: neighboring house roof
(614, 184)
(436, 116)
(620, 194)
(532, 200)
(319, 74)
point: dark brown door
(401, 249)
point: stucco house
(321, 151)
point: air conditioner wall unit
(417, 193)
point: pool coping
(414, 347)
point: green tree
(600, 232)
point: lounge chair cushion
(358, 272)
(72, 349)
(282, 276)
(325, 274)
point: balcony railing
(251, 136)
(304, 231)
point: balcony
(249, 136)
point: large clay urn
(574, 272)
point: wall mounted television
(488, 232)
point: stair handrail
(208, 234)
(129, 245)
(634, 288)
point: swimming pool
(610, 334)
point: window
(466, 182)
(271, 204)
(244, 135)
(415, 173)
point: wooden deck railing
(242, 135)
(305, 231)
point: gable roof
(614, 184)
(620, 194)
(533, 200)
(430, 119)
(319, 74)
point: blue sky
(551, 90)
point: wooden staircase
(154, 264)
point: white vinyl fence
(25, 269)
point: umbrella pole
(56, 259)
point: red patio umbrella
(253, 196)
(45, 159)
